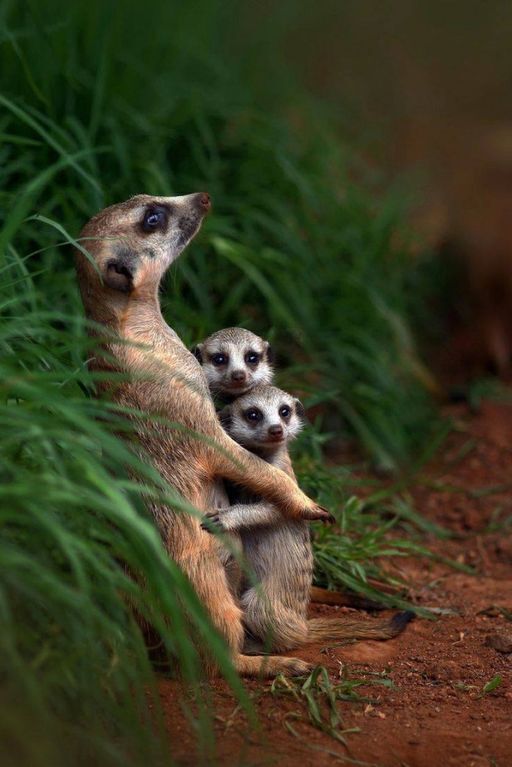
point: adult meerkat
(131, 245)
(277, 551)
(235, 360)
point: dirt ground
(436, 714)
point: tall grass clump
(302, 243)
(99, 101)
(76, 679)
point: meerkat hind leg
(210, 582)
(271, 623)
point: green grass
(384, 524)
(100, 101)
(71, 653)
(320, 697)
(296, 248)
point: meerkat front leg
(242, 516)
(238, 465)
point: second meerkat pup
(279, 552)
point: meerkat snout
(275, 431)
(238, 377)
(234, 361)
(204, 201)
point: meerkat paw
(268, 666)
(317, 513)
(297, 667)
(212, 522)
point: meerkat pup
(235, 360)
(130, 247)
(278, 552)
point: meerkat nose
(276, 430)
(203, 201)
(238, 375)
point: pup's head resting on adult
(265, 420)
(132, 244)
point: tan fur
(277, 551)
(120, 293)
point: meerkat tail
(326, 597)
(349, 628)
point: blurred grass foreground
(99, 101)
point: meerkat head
(264, 419)
(131, 244)
(235, 360)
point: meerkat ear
(269, 353)
(119, 274)
(197, 352)
(225, 416)
(299, 408)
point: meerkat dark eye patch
(285, 411)
(120, 271)
(156, 218)
(253, 414)
(252, 358)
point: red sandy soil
(436, 715)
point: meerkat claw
(319, 514)
(212, 522)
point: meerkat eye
(154, 218)
(252, 358)
(253, 414)
(285, 411)
(219, 359)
